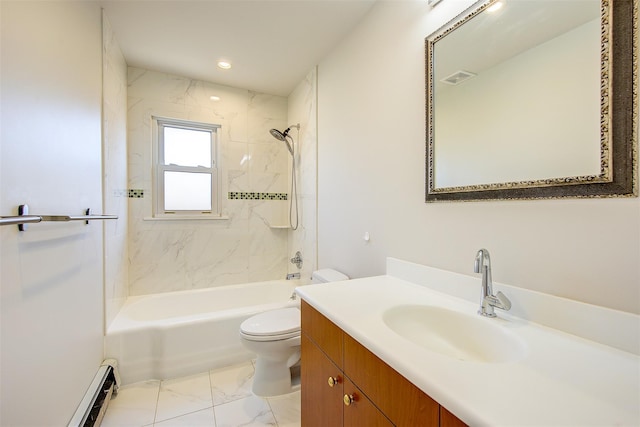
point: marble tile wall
(114, 165)
(302, 109)
(176, 255)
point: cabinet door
(404, 403)
(321, 403)
(360, 412)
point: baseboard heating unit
(93, 406)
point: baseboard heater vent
(94, 404)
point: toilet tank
(327, 275)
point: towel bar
(23, 218)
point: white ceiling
(272, 44)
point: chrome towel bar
(24, 218)
(67, 218)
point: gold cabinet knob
(348, 399)
(333, 381)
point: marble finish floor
(218, 398)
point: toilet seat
(272, 325)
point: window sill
(185, 218)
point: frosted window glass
(187, 191)
(187, 147)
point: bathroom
(370, 180)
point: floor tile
(202, 418)
(231, 383)
(134, 405)
(286, 409)
(189, 401)
(183, 395)
(250, 411)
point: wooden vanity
(358, 368)
(343, 383)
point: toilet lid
(275, 322)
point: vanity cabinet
(344, 384)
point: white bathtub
(175, 334)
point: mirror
(533, 99)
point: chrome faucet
(487, 300)
(291, 276)
(297, 260)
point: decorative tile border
(136, 194)
(233, 195)
(241, 195)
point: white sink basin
(454, 334)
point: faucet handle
(499, 301)
(504, 301)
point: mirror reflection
(518, 97)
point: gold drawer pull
(333, 381)
(348, 399)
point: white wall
(51, 280)
(177, 254)
(371, 155)
(114, 133)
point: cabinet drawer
(323, 332)
(404, 403)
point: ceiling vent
(458, 77)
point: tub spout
(293, 276)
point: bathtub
(181, 333)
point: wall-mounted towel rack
(24, 218)
(15, 220)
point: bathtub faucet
(293, 276)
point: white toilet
(275, 337)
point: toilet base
(274, 379)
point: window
(186, 175)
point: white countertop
(564, 380)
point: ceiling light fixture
(224, 65)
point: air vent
(458, 77)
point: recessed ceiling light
(224, 65)
(214, 98)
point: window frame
(159, 169)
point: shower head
(282, 136)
